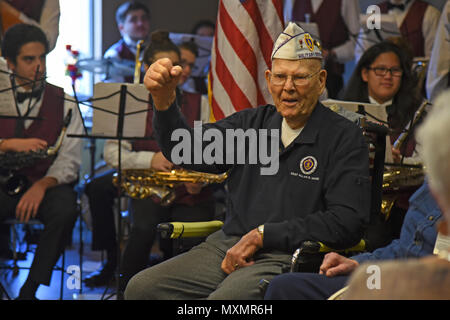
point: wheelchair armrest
(175, 230)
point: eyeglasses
(279, 79)
(381, 71)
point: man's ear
(322, 79)
(11, 64)
(120, 28)
(267, 75)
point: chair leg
(63, 270)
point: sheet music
(105, 123)
(7, 101)
(373, 110)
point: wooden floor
(91, 261)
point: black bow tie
(401, 7)
(22, 96)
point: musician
(50, 196)
(268, 216)
(41, 13)
(383, 76)
(133, 21)
(438, 75)
(193, 202)
(417, 21)
(427, 278)
(338, 23)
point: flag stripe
(265, 40)
(242, 48)
(245, 34)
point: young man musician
(50, 196)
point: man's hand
(334, 264)
(240, 255)
(161, 80)
(29, 203)
(23, 145)
(160, 163)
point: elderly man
(319, 192)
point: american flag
(245, 33)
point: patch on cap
(294, 44)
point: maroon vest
(48, 129)
(411, 27)
(190, 108)
(31, 8)
(125, 53)
(332, 28)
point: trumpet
(144, 183)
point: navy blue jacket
(328, 200)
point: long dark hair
(405, 102)
(160, 42)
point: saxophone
(399, 178)
(14, 183)
(144, 183)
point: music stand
(119, 135)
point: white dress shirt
(350, 11)
(67, 163)
(49, 21)
(439, 65)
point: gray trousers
(197, 274)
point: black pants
(146, 216)
(58, 213)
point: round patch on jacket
(308, 165)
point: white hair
(434, 136)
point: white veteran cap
(294, 44)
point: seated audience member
(44, 14)
(428, 277)
(438, 75)
(133, 21)
(193, 203)
(268, 213)
(383, 76)
(417, 239)
(49, 195)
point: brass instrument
(137, 68)
(14, 183)
(397, 178)
(144, 183)
(417, 116)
